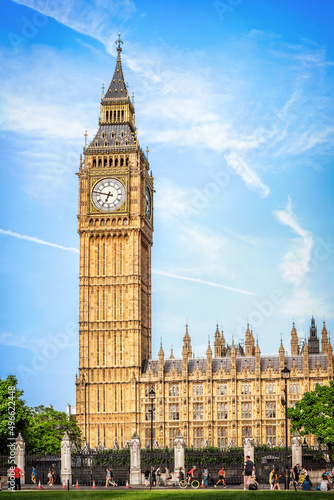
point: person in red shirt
(17, 476)
(221, 475)
(191, 474)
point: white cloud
(296, 261)
(33, 239)
(302, 302)
(203, 282)
(250, 178)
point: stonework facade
(221, 399)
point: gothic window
(221, 390)
(117, 142)
(98, 399)
(113, 222)
(110, 162)
(246, 433)
(246, 410)
(94, 162)
(103, 135)
(122, 161)
(270, 409)
(174, 390)
(100, 162)
(127, 161)
(125, 222)
(126, 142)
(148, 412)
(122, 115)
(102, 223)
(96, 143)
(222, 411)
(172, 436)
(197, 390)
(106, 143)
(271, 434)
(198, 411)
(198, 437)
(122, 133)
(112, 134)
(107, 116)
(222, 437)
(148, 437)
(118, 115)
(246, 389)
(174, 412)
(116, 161)
(91, 222)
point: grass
(163, 494)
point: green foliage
(41, 428)
(163, 456)
(47, 428)
(111, 457)
(14, 412)
(314, 414)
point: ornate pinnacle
(118, 43)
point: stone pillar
(249, 449)
(66, 466)
(135, 465)
(297, 450)
(20, 448)
(179, 446)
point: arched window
(91, 222)
(122, 162)
(125, 222)
(103, 222)
(105, 162)
(112, 134)
(110, 162)
(116, 162)
(127, 161)
(94, 162)
(100, 162)
(117, 142)
(107, 116)
(122, 115)
(103, 135)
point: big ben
(115, 224)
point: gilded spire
(117, 89)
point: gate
(43, 463)
(266, 457)
(214, 458)
(4, 465)
(89, 465)
(163, 458)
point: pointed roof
(209, 350)
(117, 88)
(186, 335)
(161, 351)
(217, 334)
(171, 354)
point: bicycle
(194, 483)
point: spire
(294, 341)
(249, 342)
(217, 344)
(281, 355)
(161, 357)
(313, 341)
(324, 339)
(161, 351)
(257, 353)
(117, 88)
(209, 350)
(171, 353)
(186, 351)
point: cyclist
(191, 474)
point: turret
(294, 341)
(217, 344)
(249, 342)
(171, 354)
(233, 356)
(324, 339)
(209, 354)
(306, 364)
(313, 341)
(161, 357)
(257, 355)
(281, 356)
(223, 344)
(186, 351)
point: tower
(115, 224)
(313, 341)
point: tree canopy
(314, 414)
(42, 428)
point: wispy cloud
(296, 261)
(203, 282)
(33, 239)
(250, 178)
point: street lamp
(151, 395)
(285, 375)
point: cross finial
(118, 43)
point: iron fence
(317, 457)
(163, 458)
(268, 457)
(231, 459)
(43, 463)
(4, 465)
(91, 465)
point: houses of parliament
(231, 393)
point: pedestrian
(180, 475)
(112, 482)
(221, 477)
(154, 477)
(296, 470)
(147, 477)
(158, 475)
(276, 481)
(293, 481)
(107, 478)
(50, 477)
(248, 469)
(17, 476)
(206, 477)
(33, 475)
(307, 485)
(271, 478)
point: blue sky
(235, 100)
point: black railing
(91, 465)
(231, 459)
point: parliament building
(231, 393)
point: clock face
(108, 194)
(147, 203)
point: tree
(14, 412)
(314, 414)
(42, 428)
(47, 428)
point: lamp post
(151, 395)
(285, 375)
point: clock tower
(115, 224)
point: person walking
(112, 482)
(33, 475)
(154, 477)
(276, 481)
(17, 476)
(108, 480)
(206, 477)
(50, 477)
(271, 478)
(158, 475)
(221, 477)
(296, 471)
(147, 477)
(248, 469)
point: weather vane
(118, 43)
